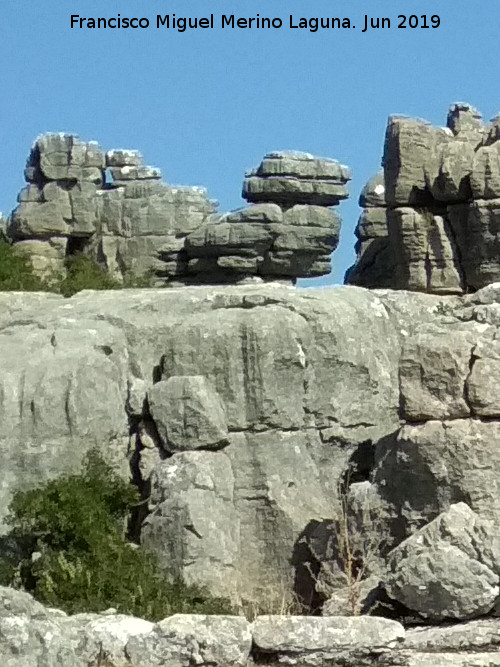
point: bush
(82, 272)
(16, 273)
(79, 559)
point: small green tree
(79, 559)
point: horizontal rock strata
(115, 209)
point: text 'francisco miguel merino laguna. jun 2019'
(363, 23)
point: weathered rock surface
(188, 413)
(328, 640)
(250, 409)
(375, 259)
(439, 198)
(115, 209)
(34, 636)
(448, 569)
(286, 382)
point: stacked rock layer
(289, 229)
(431, 222)
(133, 225)
(117, 210)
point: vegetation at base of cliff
(16, 273)
(82, 272)
(75, 555)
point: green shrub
(16, 273)
(82, 272)
(76, 524)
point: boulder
(186, 639)
(325, 640)
(448, 569)
(188, 414)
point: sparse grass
(353, 550)
(277, 600)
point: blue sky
(205, 105)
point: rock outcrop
(34, 636)
(244, 405)
(448, 569)
(335, 447)
(429, 222)
(254, 413)
(115, 209)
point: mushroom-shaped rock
(291, 177)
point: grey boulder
(188, 413)
(448, 569)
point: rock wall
(115, 209)
(430, 220)
(249, 416)
(243, 406)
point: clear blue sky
(205, 105)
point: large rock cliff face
(243, 406)
(242, 412)
(242, 409)
(430, 220)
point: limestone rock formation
(115, 209)
(289, 445)
(257, 415)
(375, 259)
(313, 642)
(435, 230)
(34, 636)
(448, 569)
(243, 463)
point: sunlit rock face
(434, 225)
(114, 208)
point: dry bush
(275, 600)
(353, 549)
